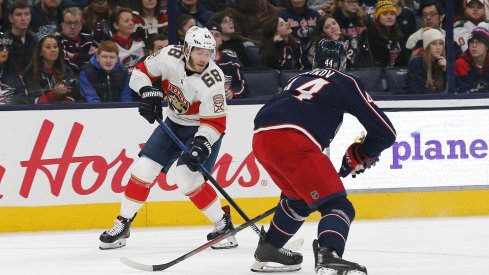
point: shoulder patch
(218, 103)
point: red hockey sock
(203, 196)
(137, 190)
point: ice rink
(433, 246)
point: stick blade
(136, 265)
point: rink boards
(66, 169)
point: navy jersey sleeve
(380, 131)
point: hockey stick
(207, 175)
(160, 267)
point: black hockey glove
(355, 161)
(199, 151)
(150, 106)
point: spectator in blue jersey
(77, 47)
(406, 19)
(382, 43)
(291, 132)
(105, 79)
(280, 50)
(96, 20)
(230, 65)
(427, 73)
(196, 9)
(46, 16)
(302, 20)
(472, 68)
(353, 22)
(12, 87)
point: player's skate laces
(116, 236)
(329, 263)
(271, 259)
(222, 227)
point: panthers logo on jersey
(177, 100)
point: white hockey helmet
(200, 38)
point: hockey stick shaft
(160, 267)
(207, 175)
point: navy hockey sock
(288, 218)
(333, 228)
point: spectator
(23, 40)
(406, 19)
(77, 47)
(352, 21)
(427, 74)
(46, 16)
(230, 65)
(232, 43)
(250, 15)
(96, 18)
(47, 77)
(302, 20)
(105, 79)
(474, 13)
(196, 9)
(184, 23)
(382, 42)
(323, 7)
(157, 43)
(130, 51)
(12, 88)
(280, 50)
(432, 15)
(472, 68)
(327, 27)
(149, 20)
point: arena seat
(396, 78)
(373, 79)
(286, 75)
(262, 83)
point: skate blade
(228, 243)
(329, 271)
(271, 267)
(117, 244)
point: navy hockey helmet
(330, 54)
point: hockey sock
(135, 195)
(205, 198)
(288, 218)
(333, 228)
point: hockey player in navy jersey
(197, 116)
(291, 131)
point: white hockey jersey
(193, 99)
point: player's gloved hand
(199, 151)
(150, 105)
(355, 161)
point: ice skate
(329, 263)
(271, 259)
(117, 235)
(222, 227)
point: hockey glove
(355, 161)
(150, 106)
(199, 151)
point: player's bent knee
(146, 169)
(341, 205)
(298, 208)
(186, 180)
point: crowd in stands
(54, 51)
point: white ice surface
(441, 246)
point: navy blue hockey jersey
(314, 103)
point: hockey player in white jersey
(197, 116)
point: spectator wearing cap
(46, 16)
(472, 68)
(432, 15)
(382, 43)
(474, 14)
(230, 66)
(427, 73)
